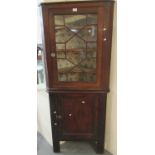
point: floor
(67, 148)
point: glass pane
(81, 74)
(91, 53)
(91, 45)
(75, 29)
(59, 20)
(76, 56)
(76, 47)
(88, 33)
(60, 54)
(62, 34)
(75, 43)
(60, 46)
(60, 50)
(75, 20)
(73, 76)
(64, 65)
(62, 77)
(89, 65)
(88, 77)
(91, 19)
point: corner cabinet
(77, 48)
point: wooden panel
(79, 115)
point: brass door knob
(55, 124)
(53, 55)
(83, 102)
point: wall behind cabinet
(111, 117)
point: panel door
(78, 116)
(77, 41)
(76, 50)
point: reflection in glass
(73, 76)
(88, 65)
(91, 53)
(91, 19)
(76, 56)
(59, 20)
(62, 77)
(64, 65)
(91, 45)
(60, 54)
(62, 34)
(75, 20)
(60, 50)
(60, 46)
(88, 33)
(75, 43)
(88, 77)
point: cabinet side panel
(108, 24)
(101, 123)
(46, 42)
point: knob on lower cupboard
(55, 124)
(54, 112)
(83, 102)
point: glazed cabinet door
(79, 113)
(78, 46)
(74, 55)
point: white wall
(111, 118)
(43, 117)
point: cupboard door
(75, 48)
(78, 46)
(79, 115)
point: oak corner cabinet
(77, 48)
